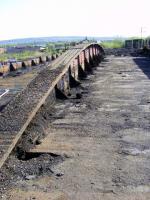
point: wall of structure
(6, 67)
(54, 81)
(136, 43)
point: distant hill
(43, 40)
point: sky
(42, 18)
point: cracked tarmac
(104, 137)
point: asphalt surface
(104, 137)
(108, 134)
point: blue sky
(35, 18)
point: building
(135, 44)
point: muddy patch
(31, 167)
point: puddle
(135, 152)
(108, 109)
(140, 188)
(77, 107)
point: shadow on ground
(144, 64)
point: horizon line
(36, 37)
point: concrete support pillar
(62, 88)
(40, 60)
(81, 72)
(75, 66)
(93, 50)
(96, 56)
(87, 55)
(83, 60)
(12, 68)
(91, 57)
(87, 61)
(23, 65)
(52, 57)
(72, 81)
(95, 61)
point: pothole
(31, 167)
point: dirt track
(104, 137)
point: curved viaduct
(55, 81)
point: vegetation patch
(19, 56)
(49, 49)
(113, 44)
